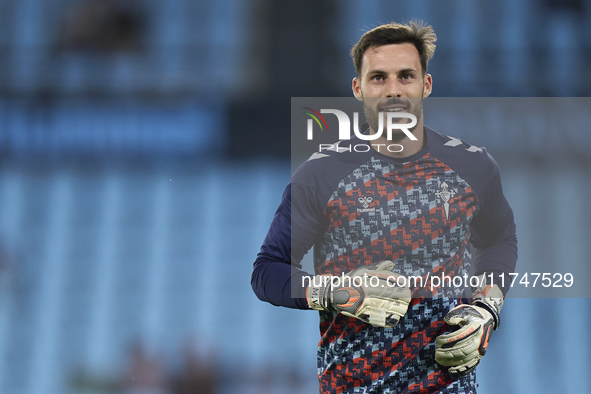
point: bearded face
(392, 81)
(378, 107)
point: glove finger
(462, 370)
(458, 347)
(387, 304)
(457, 356)
(370, 316)
(389, 293)
(461, 314)
(392, 320)
(464, 333)
(364, 317)
(386, 265)
(378, 316)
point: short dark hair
(415, 32)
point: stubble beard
(372, 114)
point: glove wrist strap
(318, 294)
(489, 297)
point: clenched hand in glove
(462, 349)
(373, 294)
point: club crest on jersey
(365, 201)
(445, 194)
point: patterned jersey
(423, 212)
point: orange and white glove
(462, 349)
(373, 294)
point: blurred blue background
(144, 146)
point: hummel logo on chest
(365, 201)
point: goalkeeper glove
(380, 302)
(462, 349)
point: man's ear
(428, 88)
(356, 87)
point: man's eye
(377, 78)
(406, 76)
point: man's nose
(393, 89)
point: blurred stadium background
(144, 146)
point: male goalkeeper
(386, 216)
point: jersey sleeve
(494, 234)
(277, 276)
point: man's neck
(400, 148)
